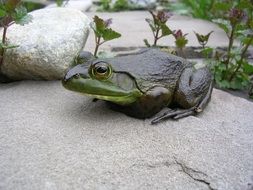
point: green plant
(105, 5)
(251, 91)
(203, 39)
(11, 11)
(103, 32)
(59, 3)
(231, 69)
(158, 26)
(196, 8)
(31, 6)
(118, 5)
(121, 5)
(180, 41)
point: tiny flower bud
(236, 15)
(178, 34)
(108, 22)
(163, 16)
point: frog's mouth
(108, 90)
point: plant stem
(181, 52)
(230, 45)
(97, 39)
(156, 36)
(251, 90)
(241, 59)
(3, 43)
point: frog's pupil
(101, 69)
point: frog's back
(151, 67)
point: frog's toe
(185, 114)
(174, 114)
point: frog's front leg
(192, 94)
(154, 100)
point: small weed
(158, 26)
(103, 32)
(231, 69)
(11, 11)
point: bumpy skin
(172, 79)
(164, 80)
(151, 67)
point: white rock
(47, 45)
(82, 5)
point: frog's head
(98, 79)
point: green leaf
(93, 26)
(120, 5)
(155, 20)
(207, 51)
(146, 43)
(223, 84)
(59, 3)
(248, 68)
(4, 46)
(245, 33)
(10, 5)
(236, 85)
(24, 20)
(109, 34)
(181, 42)
(2, 13)
(222, 6)
(246, 41)
(20, 16)
(221, 66)
(99, 23)
(165, 30)
(243, 4)
(223, 24)
(151, 24)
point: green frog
(149, 83)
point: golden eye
(101, 70)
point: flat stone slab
(134, 29)
(51, 138)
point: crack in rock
(196, 175)
(192, 172)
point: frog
(150, 83)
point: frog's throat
(103, 90)
(121, 100)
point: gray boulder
(47, 45)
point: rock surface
(51, 138)
(47, 45)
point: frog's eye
(101, 70)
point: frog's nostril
(76, 76)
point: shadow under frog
(144, 84)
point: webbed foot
(174, 114)
(178, 114)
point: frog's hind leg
(193, 93)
